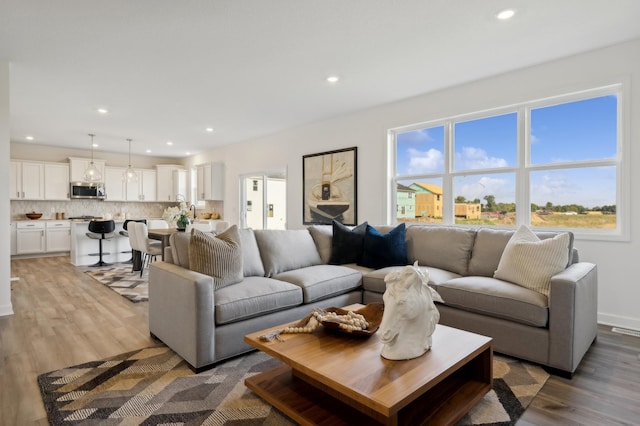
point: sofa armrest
(181, 311)
(573, 308)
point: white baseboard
(6, 310)
(619, 321)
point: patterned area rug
(119, 278)
(153, 386)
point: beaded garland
(349, 322)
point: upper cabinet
(171, 183)
(56, 181)
(114, 186)
(79, 165)
(26, 180)
(145, 188)
(210, 183)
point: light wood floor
(63, 317)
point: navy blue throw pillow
(382, 250)
(346, 244)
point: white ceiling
(168, 69)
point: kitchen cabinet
(171, 183)
(30, 237)
(58, 236)
(12, 230)
(77, 167)
(145, 188)
(26, 180)
(114, 186)
(56, 181)
(210, 181)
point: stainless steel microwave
(89, 190)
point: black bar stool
(101, 230)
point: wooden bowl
(34, 215)
(371, 312)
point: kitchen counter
(84, 250)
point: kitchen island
(84, 250)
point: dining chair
(157, 224)
(148, 247)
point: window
(551, 164)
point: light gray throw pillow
(219, 256)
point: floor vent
(626, 331)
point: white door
(264, 201)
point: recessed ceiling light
(169, 143)
(333, 79)
(29, 138)
(95, 145)
(103, 110)
(187, 153)
(148, 151)
(506, 14)
(209, 129)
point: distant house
(428, 199)
(406, 202)
(468, 210)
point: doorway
(264, 200)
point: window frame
(524, 167)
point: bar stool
(101, 230)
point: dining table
(161, 234)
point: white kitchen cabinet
(30, 237)
(26, 180)
(58, 236)
(145, 188)
(171, 182)
(77, 167)
(114, 186)
(210, 183)
(56, 181)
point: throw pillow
(382, 250)
(530, 262)
(219, 256)
(346, 245)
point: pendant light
(130, 175)
(92, 174)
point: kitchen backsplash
(118, 210)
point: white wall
(618, 262)
(5, 240)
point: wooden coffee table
(336, 379)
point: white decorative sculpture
(410, 316)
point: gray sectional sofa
(286, 274)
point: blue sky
(575, 131)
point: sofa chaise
(285, 273)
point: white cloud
(470, 158)
(417, 136)
(472, 188)
(431, 160)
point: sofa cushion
(347, 243)
(218, 256)
(531, 262)
(322, 235)
(251, 260)
(496, 298)
(322, 281)
(443, 247)
(490, 243)
(374, 280)
(284, 250)
(179, 245)
(382, 250)
(252, 297)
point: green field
(556, 220)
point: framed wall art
(330, 187)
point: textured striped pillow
(531, 262)
(219, 256)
